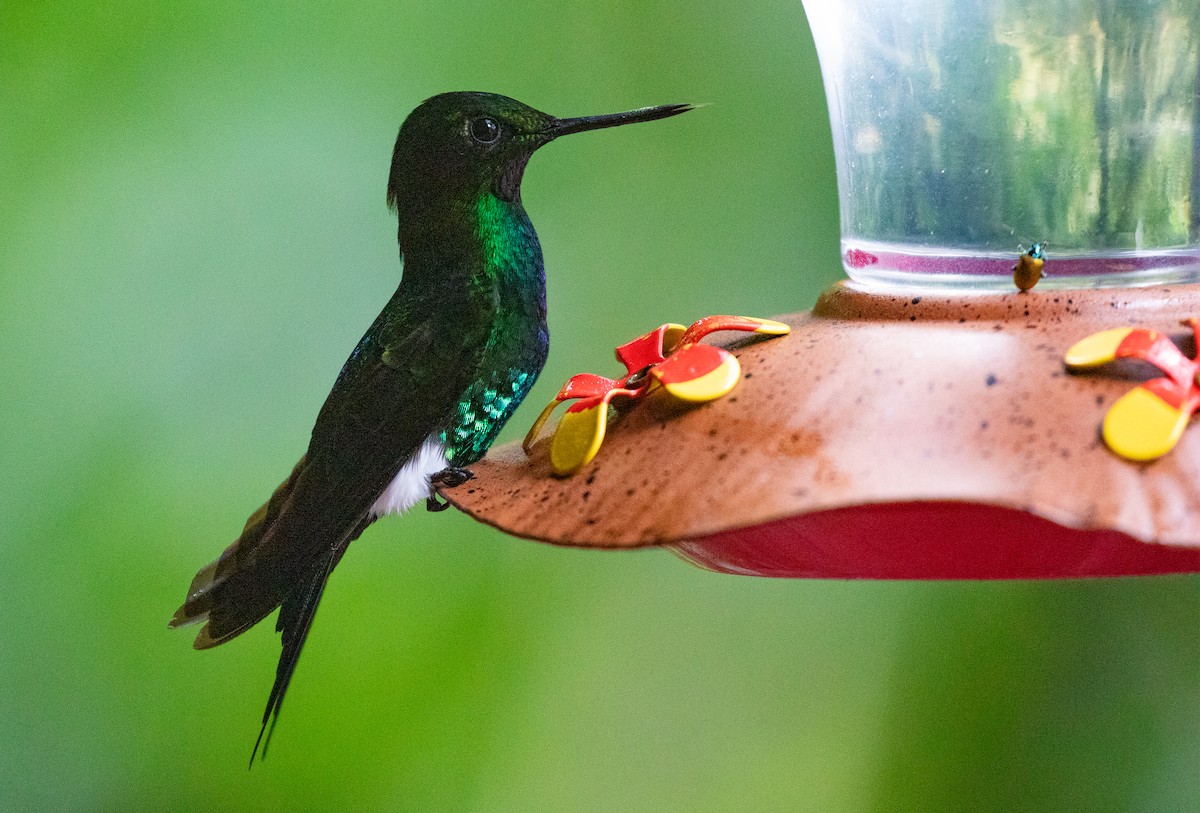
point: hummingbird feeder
(942, 414)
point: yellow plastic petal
(1141, 426)
(536, 429)
(578, 438)
(671, 337)
(1099, 348)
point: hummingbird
(431, 383)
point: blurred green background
(194, 236)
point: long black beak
(560, 127)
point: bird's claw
(433, 504)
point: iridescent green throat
(517, 341)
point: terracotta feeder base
(897, 434)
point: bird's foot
(451, 476)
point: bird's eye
(484, 130)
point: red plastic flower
(668, 358)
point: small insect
(1028, 269)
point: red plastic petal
(711, 324)
(588, 403)
(689, 362)
(585, 385)
(644, 350)
(1154, 347)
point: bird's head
(457, 146)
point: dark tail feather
(295, 620)
(237, 590)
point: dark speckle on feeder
(800, 443)
(991, 379)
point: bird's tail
(268, 567)
(235, 592)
